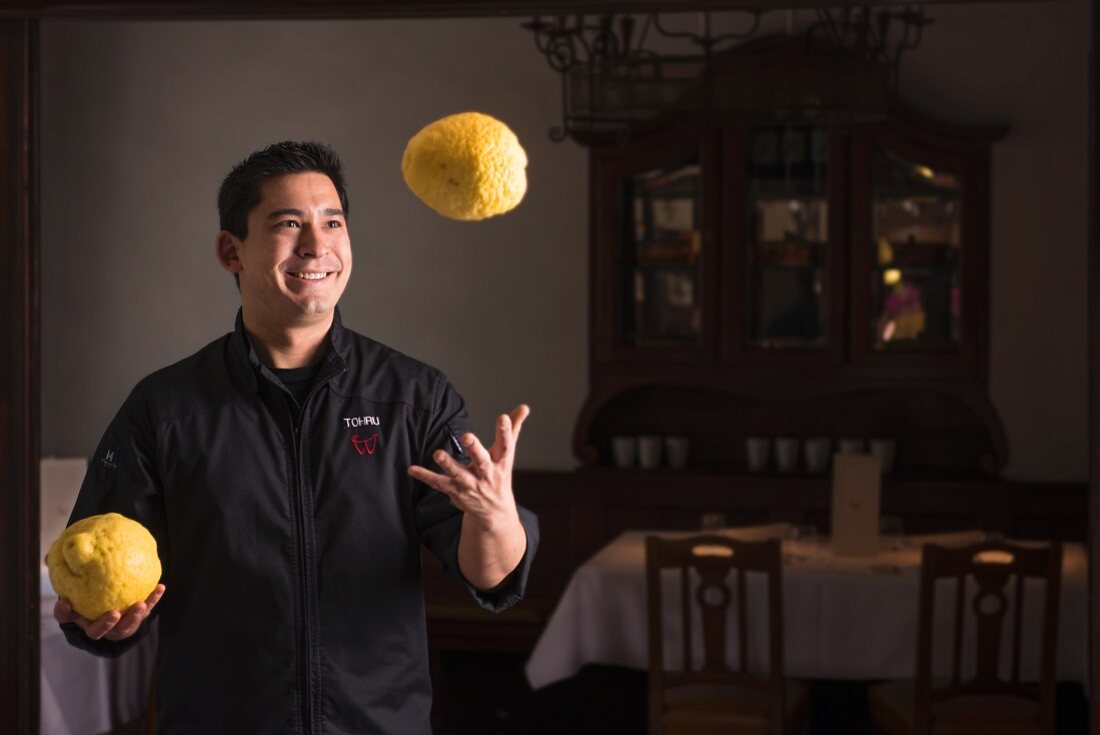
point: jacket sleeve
(122, 478)
(439, 523)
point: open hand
(112, 625)
(484, 487)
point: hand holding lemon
(105, 570)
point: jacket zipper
(308, 705)
(303, 566)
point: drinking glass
(890, 531)
(713, 521)
(757, 449)
(649, 451)
(803, 539)
(786, 453)
(625, 450)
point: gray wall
(141, 121)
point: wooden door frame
(20, 245)
(1093, 296)
(19, 375)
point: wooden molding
(1094, 365)
(19, 375)
(339, 9)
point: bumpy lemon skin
(102, 563)
(467, 166)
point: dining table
(844, 617)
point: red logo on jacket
(364, 446)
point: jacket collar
(245, 365)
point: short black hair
(240, 190)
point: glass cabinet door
(916, 275)
(787, 243)
(663, 259)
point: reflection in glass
(663, 262)
(788, 236)
(916, 280)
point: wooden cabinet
(920, 215)
(830, 279)
(658, 209)
(785, 192)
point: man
(282, 470)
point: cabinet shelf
(648, 264)
(787, 254)
(787, 267)
(885, 194)
(790, 243)
(903, 244)
(776, 192)
(937, 267)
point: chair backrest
(992, 577)
(721, 566)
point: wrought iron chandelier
(845, 66)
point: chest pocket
(359, 454)
(221, 467)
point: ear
(225, 247)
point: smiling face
(296, 259)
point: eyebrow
(298, 213)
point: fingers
(112, 625)
(481, 463)
(99, 628)
(508, 427)
(135, 616)
(461, 477)
(63, 611)
(434, 480)
(501, 437)
(519, 415)
(154, 596)
(465, 477)
(128, 624)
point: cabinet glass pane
(663, 256)
(915, 281)
(788, 238)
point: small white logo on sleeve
(356, 422)
(108, 459)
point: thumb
(63, 611)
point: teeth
(309, 276)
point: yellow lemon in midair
(105, 562)
(467, 166)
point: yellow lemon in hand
(467, 166)
(104, 562)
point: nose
(310, 243)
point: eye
(338, 223)
(288, 222)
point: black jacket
(290, 544)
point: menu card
(857, 486)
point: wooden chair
(985, 703)
(715, 697)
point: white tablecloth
(844, 618)
(84, 694)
